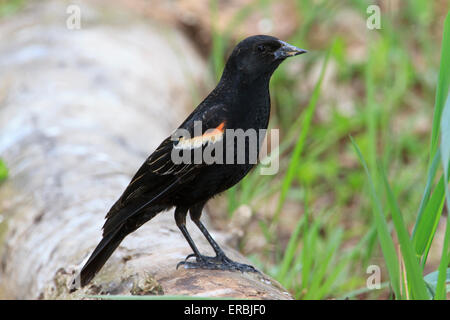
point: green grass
(295, 158)
(3, 171)
(9, 7)
(346, 215)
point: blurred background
(312, 226)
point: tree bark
(80, 110)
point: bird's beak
(287, 50)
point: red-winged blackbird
(240, 101)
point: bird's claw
(220, 262)
(185, 259)
(189, 256)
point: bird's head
(260, 55)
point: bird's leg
(219, 252)
(180, 219)
(220, 261)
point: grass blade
(443, 86)
(445, 146)
(319, 275)
(427, 225)
(413, 269)
(443, 265)
(384, 237)
(3, 171)
(290, 251)
(426, 194)
(445, 150)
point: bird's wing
(159, 175)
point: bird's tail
(98, 258)
(112, 237)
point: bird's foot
(219, 262)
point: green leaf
(289, 254)
(445, 144)
(415, 281)
(443, 86)
(443, 265)
(442, 124)
(384, 237)
(426, 194)
(445, 151)
(3, 170)
(427, 225)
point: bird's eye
(261, 48)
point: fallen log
(79, 112)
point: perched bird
(240, 101)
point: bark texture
(80, 110)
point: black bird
(240, 101)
